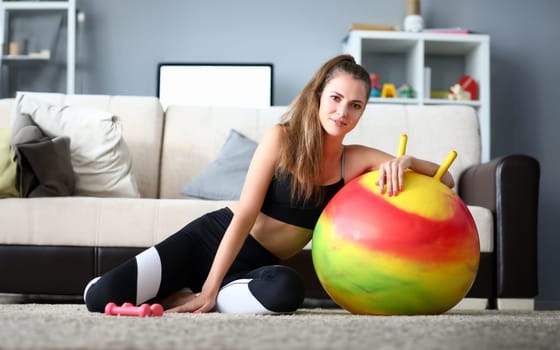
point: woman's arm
(391, 173)
(258, 178)
(361, 159)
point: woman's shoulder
(272, 141)
(360, 153)
(360, 149)
(361, 158)
(275, 134)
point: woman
(227, 259)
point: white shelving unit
(400, 57)
(69, 7)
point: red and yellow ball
(414, 253)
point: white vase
(413, 23)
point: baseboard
(471, 304)
(10, 298)
(515, 304)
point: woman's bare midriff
(281, 239)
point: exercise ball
(414, 253)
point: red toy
(469, 84)
(128, 309)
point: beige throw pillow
(7, 166)
(99, 155)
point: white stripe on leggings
(149, 275)
(235, 297)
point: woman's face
(342, 103)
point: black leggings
(253, 284)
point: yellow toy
(388, 90)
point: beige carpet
(70, 326)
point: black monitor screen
(213, 84)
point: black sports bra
(278, 202)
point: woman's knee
(117, 286)
(278, 288)
(92, 298)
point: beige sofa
(55, 245)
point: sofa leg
(471, 304)
(515, 304)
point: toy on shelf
(388, 90)
(128, 309)
(406, 91)
(375, 85)
(465, 89)
(439, 94)
(457, 93)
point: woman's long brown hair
(302, 152)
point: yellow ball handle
(402, 145)
(445, 165)
(442, 168)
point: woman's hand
(447, 179)
(391, 174)
(198, 303)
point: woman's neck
(330, 164)
(332, 148)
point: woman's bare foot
(177, 299)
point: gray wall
(122, 41)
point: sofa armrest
(509, 187)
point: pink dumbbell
(157, 310)
(154, 309)
(128, 309)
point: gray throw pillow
(223, 178)
(45, 168)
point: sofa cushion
(29, 222)
(223, 178)
(96, 221)
(100, 157)
(194, 137)
(7, 166)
